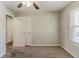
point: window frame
(72, 25)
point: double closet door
(22, 31)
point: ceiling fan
(28, 4)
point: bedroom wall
(65, 29)
(45, 28)
(3, 12)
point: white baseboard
(18, 45)
(45, 45)
(68, 51)
(2, 54)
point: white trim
(18, 45)
(45, 45)
(2, 54)
(71, 30)
(69, 52)
(74, 43)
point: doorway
(9, 32)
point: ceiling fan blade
(20, 5)
(35, 5)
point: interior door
(22, 31)
(9, 23)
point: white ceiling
(44, 6)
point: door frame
(6, 25)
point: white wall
(65, 29)
(3, 12)
(45, 27)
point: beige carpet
(37, 52)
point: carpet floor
(37, 52)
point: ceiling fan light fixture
(28, 3)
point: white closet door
(22, 35)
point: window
(75, 26)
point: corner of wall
(2, 54)
(68, 51)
